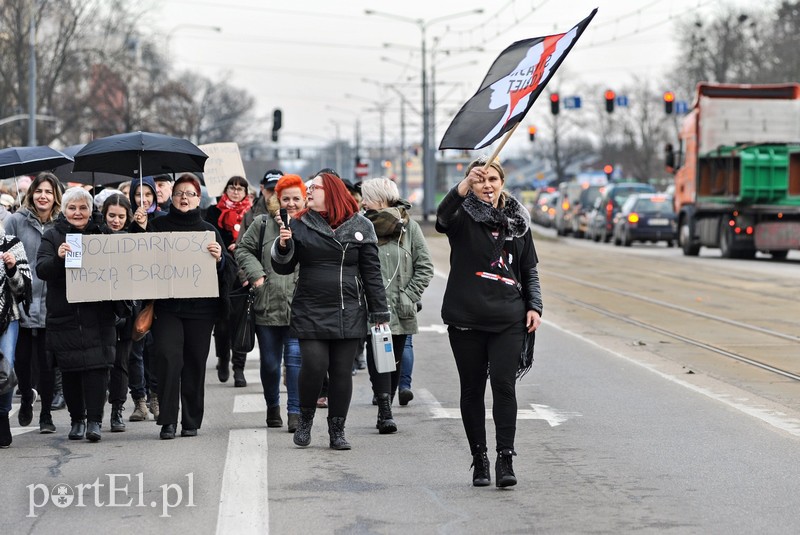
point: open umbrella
(138, 154)
(66, 173)
(17, 161)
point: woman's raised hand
(140, 216)
(476, 176)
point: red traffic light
(532, 132)
(608, 169)
(669, 96)
(554, 103)
(610, 95)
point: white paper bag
(382, 349)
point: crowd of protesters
(324, 261)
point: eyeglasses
(189, 194)
(236, 188)
(312, 187)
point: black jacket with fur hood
(339, 283)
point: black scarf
(389, 223)
(510, 218)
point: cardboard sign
(224, 161)
(150, 265)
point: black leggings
(386, 383)
(31, 345)
(334, 357)
(118, 385)
(478, 354)
(85, 393)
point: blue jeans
(275, 344)
(8, 344)
(406, 365)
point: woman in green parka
(407, 269)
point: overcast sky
(307, 57)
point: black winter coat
(339, 283)
(81, 336)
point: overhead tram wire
(227, 5)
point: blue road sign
(622, 101)
(681, 107)
(572, 103)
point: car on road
(607, 206)
(646, 217)
(545, 209)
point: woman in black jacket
(182, 327)
(492, 306)
(81, 336)
(337, 251)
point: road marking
(243, 503)
(249, 403)
(440, 274)
(434, 328)
(536, 412)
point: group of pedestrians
(323, 268)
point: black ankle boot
(386, 423)
(336, 433)
(223, 368)
(93, 431)
(480, 461)
(5, 431)
(302, 435)
(117, 421)
(77, 430)
(504, 471)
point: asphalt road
(614, 435)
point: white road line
(763, 410)
(536, 412)
(243, 503)
(251, 375)
(249, 403)
(434, 328)
(440, 274)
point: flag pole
(500, 146)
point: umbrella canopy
(66, 173)
(16, 161)
(137, 154)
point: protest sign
(224, 161)
(149, 265)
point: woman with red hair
(273, 300)
(336, 249)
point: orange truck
(737, 170)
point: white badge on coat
(359, 236)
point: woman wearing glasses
(182, 327)
(227, 217)
(339, 280)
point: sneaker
(361, 361)
(25, 415)
(322, 403)
(405, 396)
(504, 471)
(46, 424)
(140, 412)
(480, 476)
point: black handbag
(244, 318)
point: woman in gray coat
(407, 269)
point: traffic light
(554, 103)
(277, 120)
(669, 101)
(608, 169)
(610, 96)
(532, 133)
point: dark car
(575, 200)
(545, 209)
(646, 217)
(601, 221)
(582, 208)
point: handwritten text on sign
(224, 161)
(151, 265)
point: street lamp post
(32, 79)
(428, 152)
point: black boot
(5, 431)
(117, 421)
(480, 476)
(58, 402)
(223, 368)
(238, 378)
(274, 416)
(77, 430)
(302, 435)
(336, 433)
(93, 431)
(504, 471)
(386, 424)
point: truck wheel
(626, 239)
(685, 239)
(779, 255)
(726, 241)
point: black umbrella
(138, 154)
(17, 161)
(66, 173)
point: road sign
(622, 101)
(681, 107)
(362, 169)
(572, 103)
